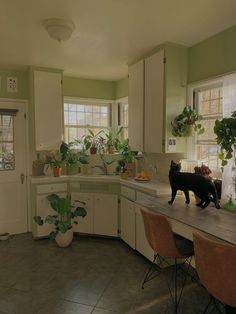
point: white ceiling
(109, 34)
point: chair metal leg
(176, 282)
(152, 272)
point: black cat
(203, 187)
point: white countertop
(156, 188)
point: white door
(13, 186)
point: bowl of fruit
(142, 177)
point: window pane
(208, 134)
(7, 159)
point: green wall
(122, 88)
(86, 88)
(23, 84)
(213, 56)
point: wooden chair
(216, 267)
(166, 244)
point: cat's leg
(200, 204)
(205, 204)
(186, 193)
(173, 195)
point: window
(208, 103)
(123, 117)
(7, 160)
(78, 117)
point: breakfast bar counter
(188, 218)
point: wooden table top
(216, 222)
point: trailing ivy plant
(186, 121)
(225, 131)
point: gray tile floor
(94, 275)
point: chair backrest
(159, 234)
(216, 267)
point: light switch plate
(12, 84)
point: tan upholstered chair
(216, 267)
(166, 244)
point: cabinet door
(136, 105)
(85, 225)
(43, 209)
(154, 103)
(127, 213)
(142, 245)
(48, 110)
(105, 220)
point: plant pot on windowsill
(57, 171)
(72, 169)
(93, 150)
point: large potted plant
(65, 214)
(186, 122)
(225, 131)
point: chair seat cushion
(185, 247)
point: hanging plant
(186, 122)
(225, 131)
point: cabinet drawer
(128, 193)
(51, 188)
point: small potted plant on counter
(55, 161)
(128, 157)
(186, 122)
(65, 214)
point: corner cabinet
(46, 114)
(136, 106)
(157, 94)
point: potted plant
(93, 142)
(55, 161)
(71, 157)
(187, 121)
(128, 157)
(112, 140)
(225, 131)
(65, 213)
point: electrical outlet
(12, 85)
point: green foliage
(124, 150)
(112, 139)
(225, 131)
(185, 122)
(65, 213)
(92, 140)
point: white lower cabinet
(102, 213)
(142, 245)
(85, 225)
(105, 220)
(127, 221)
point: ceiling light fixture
(59, 29)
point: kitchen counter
(155, 188)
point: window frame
(192, 88)
(88, 101)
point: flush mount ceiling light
(59, 29)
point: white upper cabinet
(136, 105)
(47, 110)
(157, 94)
(154, 103)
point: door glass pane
(7, 158)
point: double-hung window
(123, 117)
(207, 100)
(79, 116)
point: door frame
(24, 103)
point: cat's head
(175, 167)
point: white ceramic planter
(64, 239)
